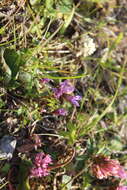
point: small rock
(7, 147)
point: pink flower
(41, 164)
(121, 188)
(104, 167)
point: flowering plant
(103, 167)
(41, 163)
(66, 89)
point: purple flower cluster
(104, 167)
(66, 89)
(73, 99)
(41, 164)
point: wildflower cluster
(65, 90)
(89, 45)
(103, 167)
(41, 164)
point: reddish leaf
(26, 147)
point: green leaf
(5, 168)
(12, 61)
(25, 78)
(2, 30)
(65, 180)
(116, 42)
(49, 4)
(71, 134)
(116, 144)
(2, 103)
(34, 2)
(23, 175)
(67, 9)
(68, 18)
(65, 6)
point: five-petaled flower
(41, 163)
(103, 167)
